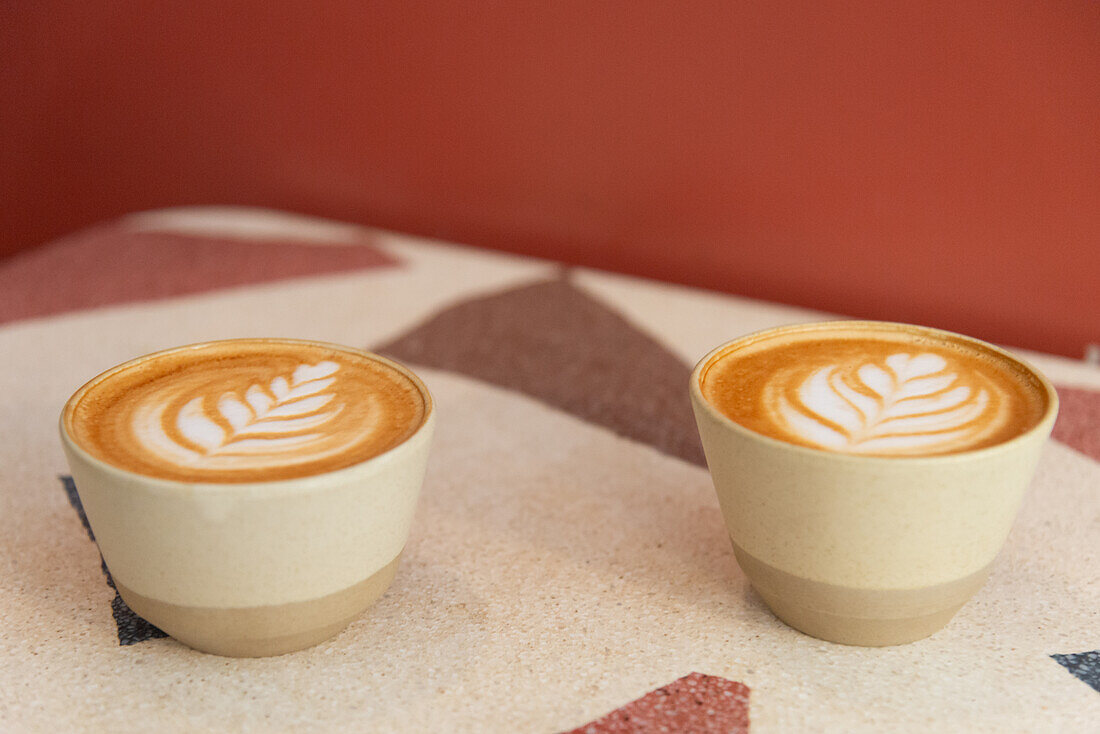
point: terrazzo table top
(568, 567)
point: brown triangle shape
(555, 343)
(1078, 424)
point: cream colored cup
(261, 568)
(865, 550)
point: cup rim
(1043, 425)
(301, 483)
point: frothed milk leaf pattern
(907, 403)
(286, 408)
(248, 410)
(264, 422)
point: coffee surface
(246, 411)
(874, 391)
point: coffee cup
(868, 472)
(250, 497)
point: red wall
(926, 161)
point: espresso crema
(874, 389)
(245, 410)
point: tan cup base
(851, 616)
(252, 632)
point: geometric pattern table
(568, 568)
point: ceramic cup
(865, 550)
(258, 568)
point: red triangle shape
(696, 703)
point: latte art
(873, 390)
(279, 423)
(909, 403)
(247, 411)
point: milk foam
(904, 403)
(274, 424)
(246, 410)
(874, 388)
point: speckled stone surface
(560, 566)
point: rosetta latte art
(903, 404)
(272, 424)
